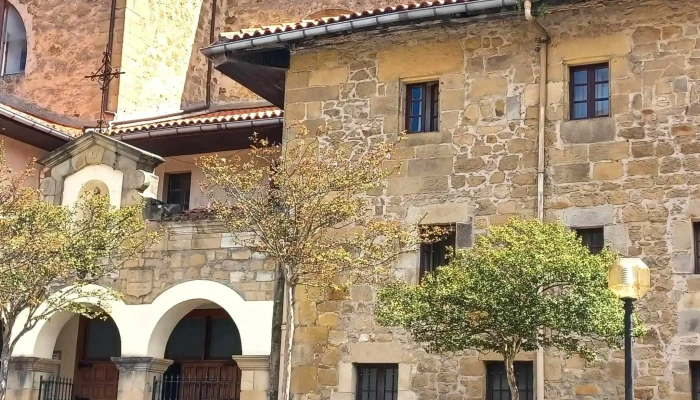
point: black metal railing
(53, 388)
(193, 388)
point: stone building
(615, 157)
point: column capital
(252, 363)
(146, 364)
(34, 364)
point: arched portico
(253, 318)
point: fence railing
(55, 388)
(193, 388)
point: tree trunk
(276, 348)
(4, 363)
(510, 374)
(288, 350)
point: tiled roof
(292, 26)
(68, 130)
(201, 119)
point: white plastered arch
(99, 175)
(253, 318)
(40, 341)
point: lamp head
(629, 278)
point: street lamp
(629, 279)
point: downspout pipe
(542, 44)
(357, 24)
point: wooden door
(210, 380)
(96, 381)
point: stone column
(136, 375)
(25, 375)
(255, 374)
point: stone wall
(158, 42)
(189, 250)
(65, 43)
(634, 173)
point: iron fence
(53, 388)
(195, 388)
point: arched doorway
(201, 346)
(85, 347)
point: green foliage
(50, 254)
(524, 285)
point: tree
(524, 285)
(305, 206)
(50, 254)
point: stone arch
(251, 317)
(26, 18)
(40, 341)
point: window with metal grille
(434, 255)
(593, 238)
(377, 381)
(696, 235)
(178, 189)
(497, 382)
(590, 91)
(422, 107)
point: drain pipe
(542, 42)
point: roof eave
(352, 25)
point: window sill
(591, 130)
(423, 138)
(18, 75)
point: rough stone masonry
(635, 173)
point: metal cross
(104, 76)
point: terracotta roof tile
(201, 119)
(68, 130)
(292, 26)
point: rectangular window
(590, 91)
(422, 107)
(178, 189)
(377, 381)
(695, 380)
(696, 236)
(434, 255)
(497, 382)
(593, 238)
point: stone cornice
(79, 145)
(252, 363)
(147, 364)
(35, 364)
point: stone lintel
(252, 363)
(34, 364)
(146, 364)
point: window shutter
(463, 235)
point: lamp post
(629, 279)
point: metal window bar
(696, 247)
(55, 388)
(695, 379)
(497, 384)
(377, 382)
(176, 387)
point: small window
(377, 382)
(434, 255)
(695, 379)
(590, 91)
(422, 107)
(593, 238)
(696, 236)
(178, 189)
(497, 382)
(13, 41)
